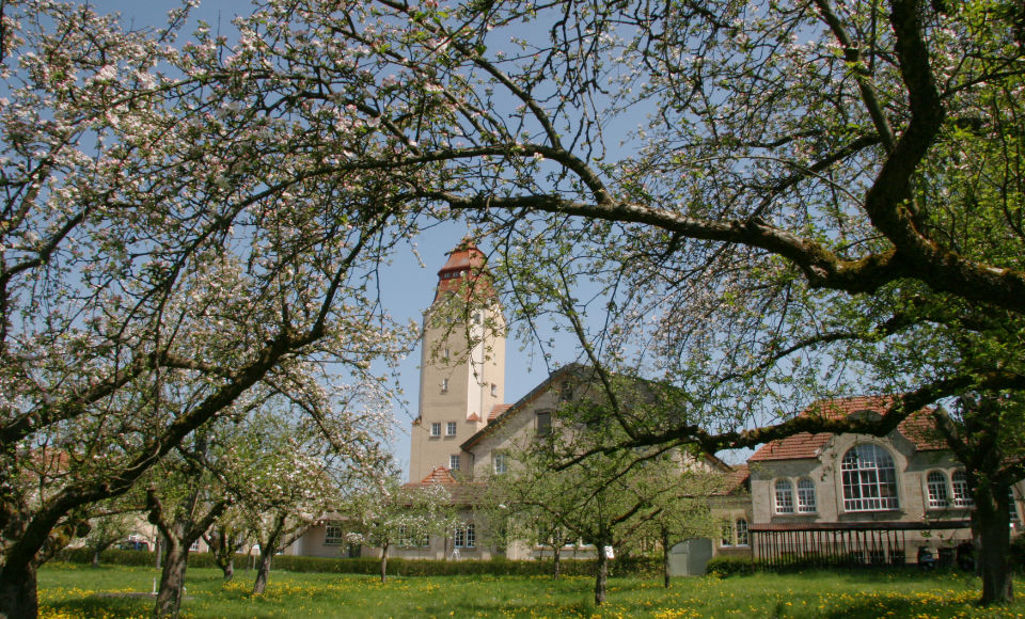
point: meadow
(72, 590)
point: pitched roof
(736, 478)
(438, 475)
(917, 427)
(498, 410)
(497, 417)
(460, 492)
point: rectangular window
(410, 538)
(332, 535)
(727, 535)
(465, 536)
(566, 391)
(743, 537)
(450, 429)
(435, 430)
(544, 423)
(444, 385)
(501, 466)
(453, 462)
(494, 390)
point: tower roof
(466, 270)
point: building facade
(861, 499)
(834, 499)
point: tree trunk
(18, 592)
(384, 562)
(665, 558)
(229, 570)
(601, 575)
(263, 570)
(556, 566)
(96, 557)
(268, 547)
(992, 525)
(172, 578)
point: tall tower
(462, 364)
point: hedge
(728, 566)
(624, 566)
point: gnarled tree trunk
(18, 592)
(172, 577)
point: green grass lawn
(67, 590)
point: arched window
(937, 485)
(784, 497)
(962, 495)
(806, 496)
(727, 534)
(743, 539)
(869, 479)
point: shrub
(1018, 553)
(500, 566)
(728, 566)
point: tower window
(494, 390)
(435, 430)
(444, 385)
(450, 428)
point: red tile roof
(440, 475)
(917, 427)
(465, 269)
(498, 410)
(735, 479)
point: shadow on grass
(106, 606)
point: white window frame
(500, 463)
(806, 500)
(465, 536)
(450, 428)
(332, 535)
(444, 385)
(783, 496)
(937, 496)
(743, 532)
(726, 539)
(436, 429)
(409, 538)
(869, 479)
(962, 493)
(453, 462)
